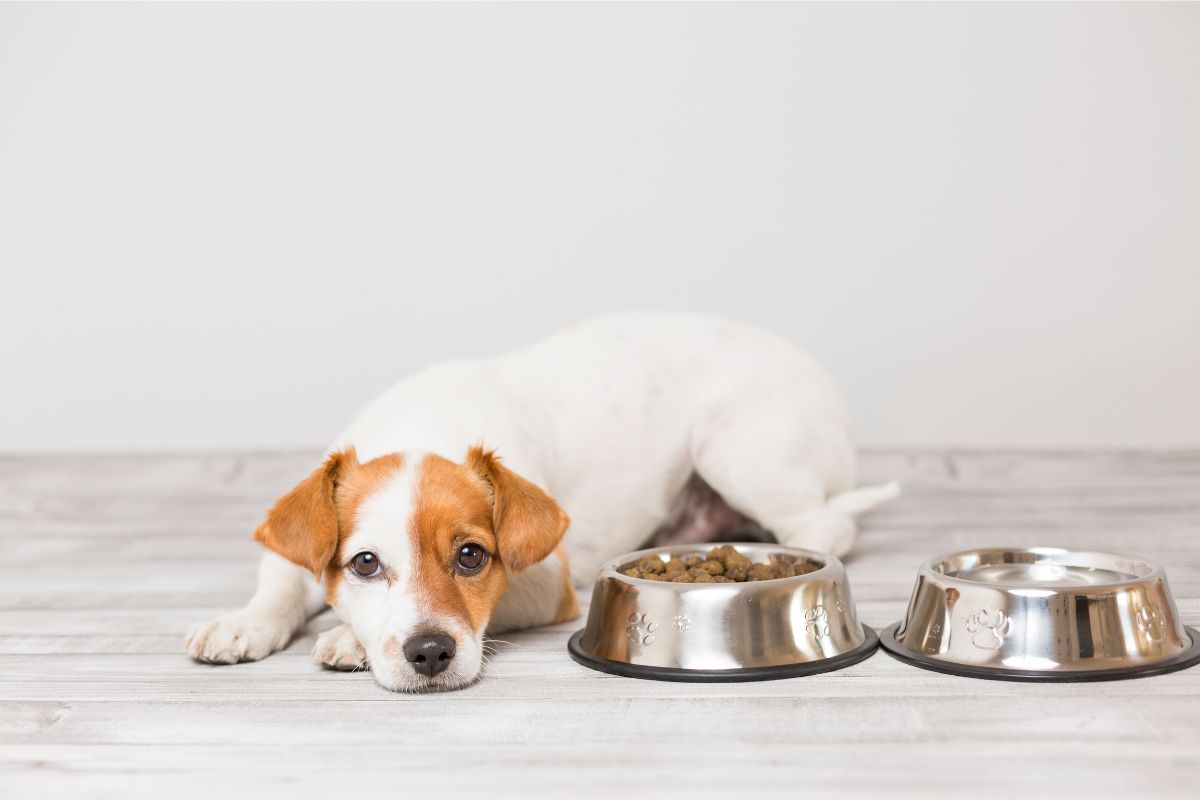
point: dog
(439, 515)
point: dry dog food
(721, 564)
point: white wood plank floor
(106, 560)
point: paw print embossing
(1150, 622)
(682, 622)
(989, 628)
(641, 629)
(818, 622)
(840, 605)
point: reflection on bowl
(754, 630)
(1044, 614)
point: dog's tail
(832, 528)
(861, 500)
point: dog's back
(616, 415)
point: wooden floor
(106, 560)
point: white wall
(228, 226)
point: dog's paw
(338, 648)
(239, 636)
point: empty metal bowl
(1043, 614)
(710, 632)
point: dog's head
(415, 551)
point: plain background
(230, 226)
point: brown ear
(527, 521)
(302, 526)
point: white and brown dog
(422, 540)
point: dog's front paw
(338, 648)
(239, 636)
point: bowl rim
(830, 567)
(927, 567)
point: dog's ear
(302, 526)
(527, 521)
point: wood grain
(107, 560)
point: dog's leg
(797, 482)
(338, 648)
(286, 597)
(541, 595)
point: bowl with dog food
(1043, 614)
(729, 612)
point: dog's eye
(366, 564)
(471, 558)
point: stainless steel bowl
(709, 632)
(1043, 614)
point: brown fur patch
(527, 521)
(308, 524)
(302, 526)
(452, 509)
(483, 502)
(393, 649)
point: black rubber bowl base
(887, 639)
(627, 670)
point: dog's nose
(429, 655)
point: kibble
(722, 564)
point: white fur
(611, 418)
(377, 609)
(338, 648)
(532, 597)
